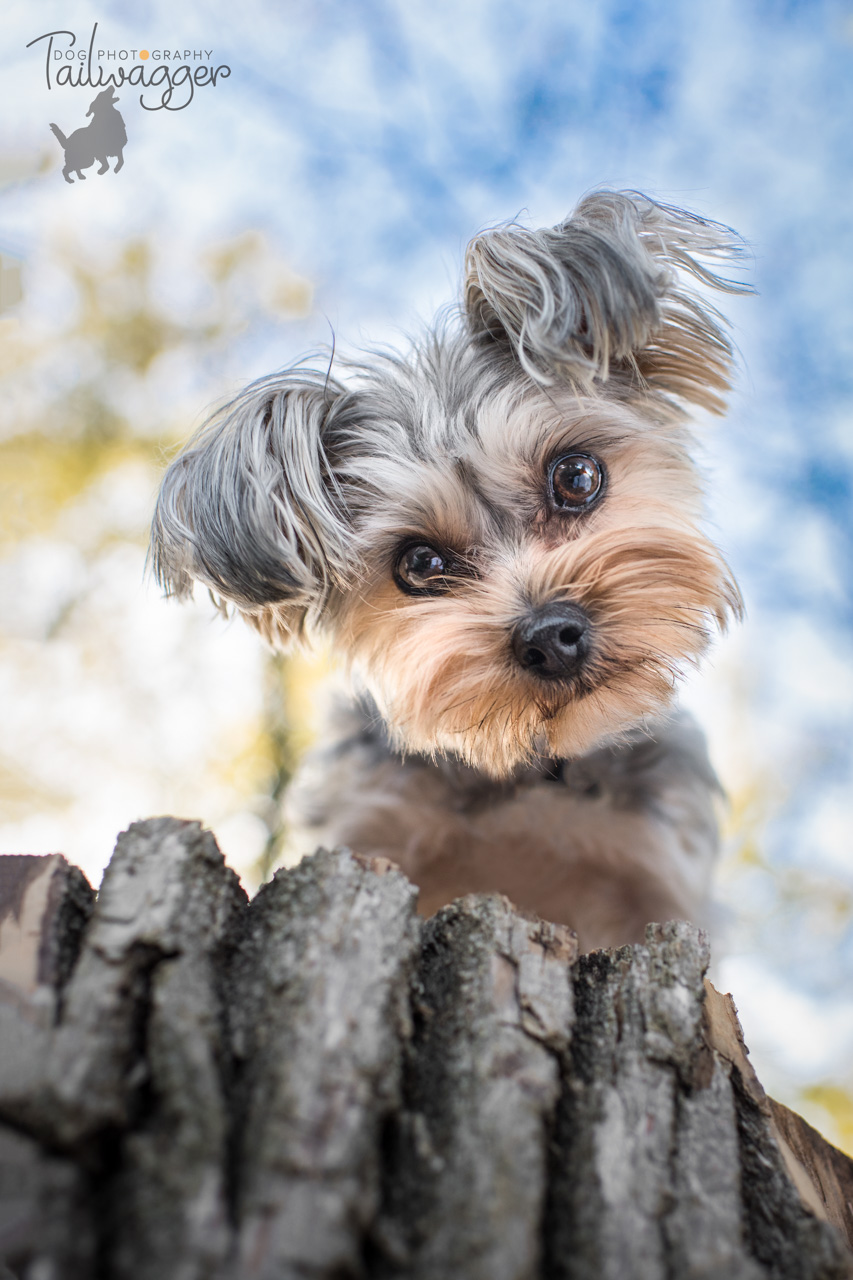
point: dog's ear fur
(252, 508)
(604, 294)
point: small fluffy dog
(501, 532)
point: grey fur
(252, 508)
(576, 298)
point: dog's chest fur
(604, 843)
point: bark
(319, 1084)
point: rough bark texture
(319, 1084)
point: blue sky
(370, 140)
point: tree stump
(318, 1084)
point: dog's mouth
(550, 704)
(601, 674)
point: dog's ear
(252, 508)
(605, 292)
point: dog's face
(532, 580)
(501, 532)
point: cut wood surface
(319, 1084)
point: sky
(368, 142)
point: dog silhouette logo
(106, 136)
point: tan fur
(441, 669)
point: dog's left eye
(421, 570)
(576, 481)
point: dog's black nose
(552, 642)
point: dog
(106, 136)
(500, 531)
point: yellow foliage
(40, 475)
(837, 1102)
(248, 762)
(21, 795)
(249, 259)
(304, 677)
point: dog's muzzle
(552, 641)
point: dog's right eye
(421, 570)
(576, 480)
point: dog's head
(105, 99)
(501, 529)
